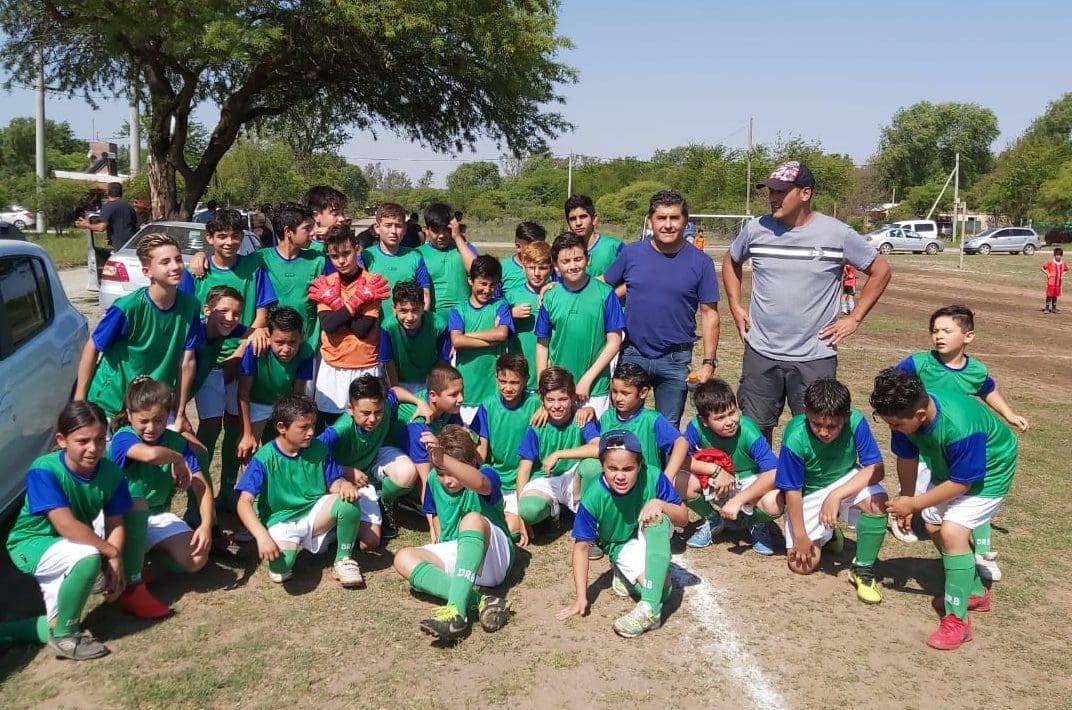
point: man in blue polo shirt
(666, 280)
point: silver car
(41, 340)
(890, 239)
(1013, 240)
(122, 272)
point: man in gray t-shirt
(791, 329)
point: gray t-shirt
(796, 282)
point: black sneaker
(493, 612)
(79, 647)
(388, 526)
(446, 624)
(595, 552)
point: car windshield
(987, 233)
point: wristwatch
(712, 361)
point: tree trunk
(163, 195)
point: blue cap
(619, 439)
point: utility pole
(956, 210)
(569, 178)
(39, 144)
(135, 132)
(748, 180)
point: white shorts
(160, 527)
(53, 567)
(813, 503)
(967, 511)
(739, 485)
(386, 456)
(600, 404)
(630, 560)
(923, 478)
(558, 488)
(260, 412)
(300, 532)
(496, 558)
(510, 502)
(333, 386)
(214, 398)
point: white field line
(720, 641)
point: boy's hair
(151, 242)
(285, 319)
(668, 198)
(535, 253)
(487, 267)
(1058, 251)
(115, 189)
(530, 232)
(713, 397)
(322, 197)
(78, 414)
(961, 315)
(827, 398)
(226, 222)
(437, 216)
(457, 442)
(898, 394)
(583, 201)
(408, 292)
(567, 240)
(217, 292)
(390, 209)
(441, 376)
(339, 234)
(367, 387)
(292, 406)
(291, 215)
(515, 363)
(556, 378)
(632, 374)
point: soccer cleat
(242, 536)
(618, 584)
(388, 525)
(100, 585)
(636, 622)
(836, 544)
(446, 624)
(493, 612)
(79, 647)
(987, 567)
(975, 603)
(595, 552)
(138, 601)
(951, 633)
(701, 537)
(863, 578)
(280, 577)
(348, 572)
(717, 523)
(900, 534)
(762, 542)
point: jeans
(668, 373)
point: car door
(912, 241)
(1003, 240)
(896, 238)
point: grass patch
(67, 249)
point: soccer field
(741, 631)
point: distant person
(117, 218)
(413, 236)
(209, 214)
(368, 236)
(1055, 270)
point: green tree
(1054, 203)
(474, 177)
(1055, 123)
(386, 179)
(442, 74)
(62, 201)
(1013, 186)
(18, 147)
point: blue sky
(830, 70)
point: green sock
(229, 460)
(208, 439)
(470, 557)
(701, 507)
(759, 517)
(347, 524)
(163, 563)
(656, 563)
(136, 528)
(959, 570)
(285, 562)
(391, 491)
(977, 588)
(533, 509)
(73, 594)
(588, 471)
(981, 538)
(870, 532)
(24, 631)
(429, 579)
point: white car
(18, 216)
(122, 272)
(41, 340)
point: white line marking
(705, 603)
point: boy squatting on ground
(631, 510)
(973, 458)
(414, 341)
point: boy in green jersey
(746, 487)
(53, 537)
(479, 329)
(973, 458)
(524, 302)
(464, 502)
(447, 256)
(513, 267)
(511, 410)
(579, 325)
(328, 206)
(303, 500)
(948, 367)
(285, 367)
(582, 221)
(414, 340)
(829, 463)
(393, 261)
(221, 318)
(631, 511)
(153, 331)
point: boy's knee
(194, 563)
(404, 562)
(402, 471)
(474, 521)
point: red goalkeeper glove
(374, 288)
(323, 290)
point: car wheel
(1029, 249)
(932, 249)
(886, 248)
(19, 223)
(984, 249)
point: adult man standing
(117, 218)
(667, 280)
(791, 329)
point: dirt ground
(742, 630)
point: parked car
(890, 239)
(1058, 236)
(122, 272)
(1014, 240)
(18, 216)
(41, 340)
(10, 231)
(926, 228)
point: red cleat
(951, 633)
(138, 601)
(975, 603)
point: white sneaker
(348, 572)
(99, 584)
(618, 585)
(987, 567)
(280, 577)
(899, 534)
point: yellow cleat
(863, 578)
